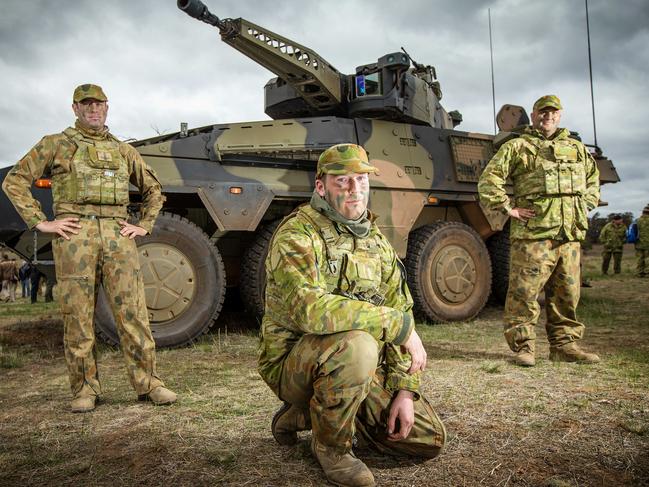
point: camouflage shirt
(643, 233)
(613, 236)
(46, 157)
(300, 300)
(555, 177)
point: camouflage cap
(82, 92)
(343, 159)
(645, 210)
(547, 101)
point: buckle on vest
(333, 266)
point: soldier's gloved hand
(60, 227)
(417, 352)
(522, 214)
(131, 231)
(402, 409)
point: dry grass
(552, 425)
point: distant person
(555, 182)
(613, 237)
(642, 244)
(91, 171)
(35, 283)
(339, 344)
(9, 278)
(24, 274)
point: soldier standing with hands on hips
(91, 171)
(339, 345)
(556, 184)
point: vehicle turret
(394, 88)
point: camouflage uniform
(642, 245)
(337, 309)
(613, 237)
(559, 180)
(91, 171)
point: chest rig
(97, 173)
(554, 169)
(352, 266)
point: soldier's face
(546, 120)
(91, 112)
(348, 194)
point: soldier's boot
(83, 404)
(342, 469)
(570, 352)
(287, 421)
(160, 396)
(525, 357)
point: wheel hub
(454, 274)
(169, 281)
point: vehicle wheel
(449, 271)
(253, 272)
(184, 283)
(498, 246)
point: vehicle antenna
(493, 85)
(590, 70)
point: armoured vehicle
(228, 186)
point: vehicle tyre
(449, 271)
(498, 246)
(252, 285)
(184, 283)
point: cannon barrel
(314, 80)
(198, 10)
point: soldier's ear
(320, 187)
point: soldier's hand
(131, 231)
(61, 227)
(522, 214)
(417, 352)
(403, 409)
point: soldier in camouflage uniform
(90, 171)
(556, 184)
(613, 236)
(642, 244)
(338, 342)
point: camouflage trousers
(543, 264)
(336, 377)
(100, 255)
(642, 263)
(606, 260)
(8, 292)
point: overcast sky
(160, 67)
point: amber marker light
(235, 190)
(43, 183)
(432, 200)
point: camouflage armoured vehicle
(228, 186)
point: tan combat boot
(159, 396)
(288, 420)
(83, 404)
(525, 357)
(342, 469)
(570, 352)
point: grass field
(554, 425)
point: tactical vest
(96, 174)
(555, 170)
(353, 266)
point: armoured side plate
(470, 156)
